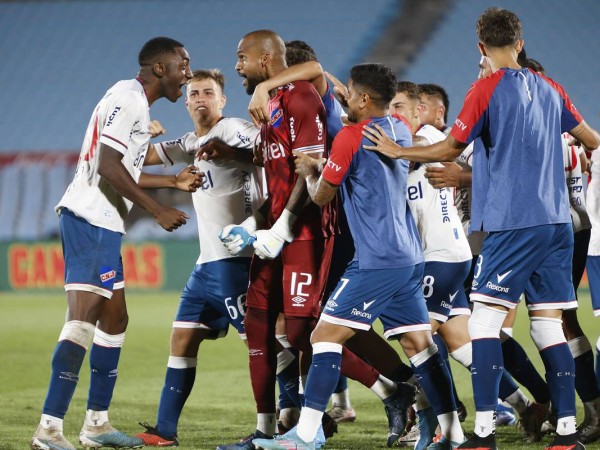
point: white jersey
(232, 190)
(442, 236)
(120, 121)
(574, 175)
(463, 200)
(593, 205)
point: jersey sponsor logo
(298, 302)
(276, 117)
(460, 124)
(110, 274)
(444, 204)
(319, 127)
(243, 138)
(496, 288)
(112, 116)
(445, 305)
(415, 192)
(356, 312)
(333, 165)
(503, 276)
(273, 151)
(247, 192)
(292, 130)
(367, 304)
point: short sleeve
(116, 132)
(345, 145)
(304, 110)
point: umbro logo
(367, 304)
(503, 276)
(298, 302)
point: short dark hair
(156, 47)
(409, 88)
(522, 57)
(498, 27)
(437, 91)
(377, 79)
(298, 52)
(534, 65)
(213, 74)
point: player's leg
(548, 293)
(407, 318)
(91, 263)
(288, 375)
(586, 384)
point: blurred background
(60, 57)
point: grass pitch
(220, 408)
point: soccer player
(215, 294)
(519, 115)
(384, 278)
(447, 262)
(92, 213)
(433, 106)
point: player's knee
(463, 354)
(108, 340)
(81, 333)
(486, 321)
(546, 332)
(415, 342)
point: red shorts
(292, 283)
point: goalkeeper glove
(268, 243)
(235, 238)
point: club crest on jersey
(276, 117)
(107, 276)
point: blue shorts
(92, 256)
(593, 273)
(443, 289)
(392, 295)
(215, 296)
(536, 261)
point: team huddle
(314, 223)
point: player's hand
(258, 157)
(383, 143)
(340, 89)
(258, 105)
(306, 165)
(189, 179)
(156, 129)
(216, 149)
(170, 218)
(236, 238)
(268, 243)
(442, 177)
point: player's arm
(112, 170)
(188, 180)
(217, 149)
(309, 71)
(586, 135)
(451, 175)
(446, 150)
(320, 190)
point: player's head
(485, 68)
(499, 28)
(166, 60)
(534, 65)
(405, 102)
(433, 105)
(298, 52)
(371, 89)
(260, 55)
(205, 99)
